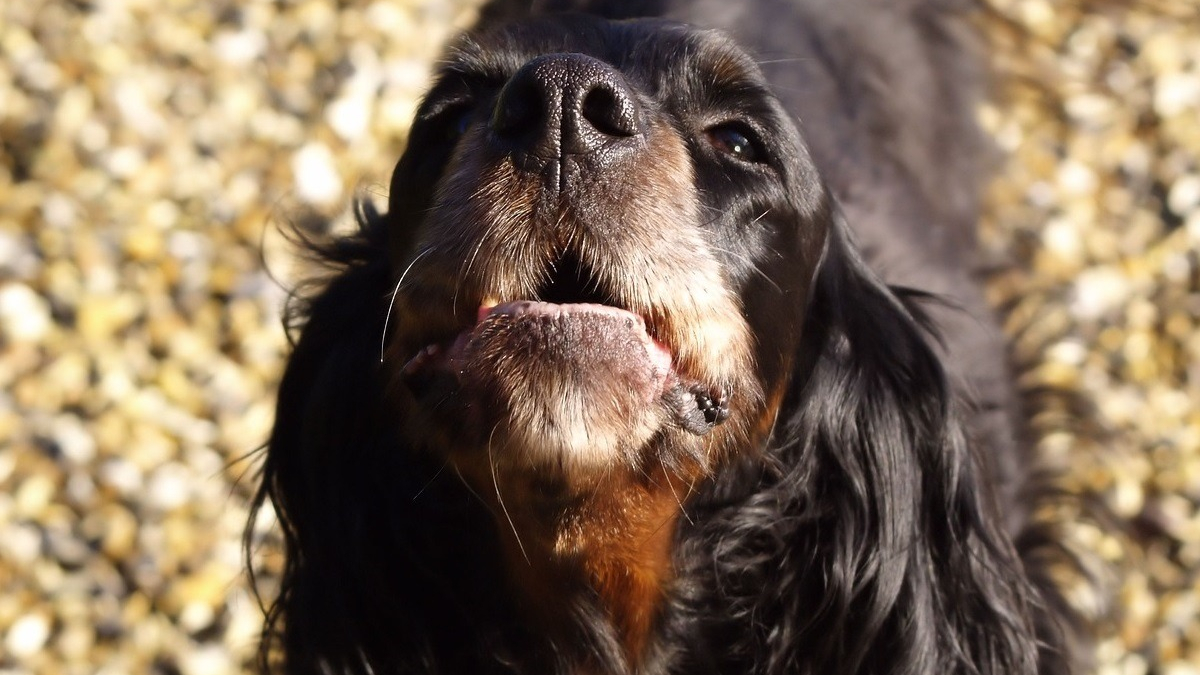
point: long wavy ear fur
(343, 485)
(327, 419)
(867, 544)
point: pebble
(1184, 196)
(1177, 94)
(21, 543)
(207, 660)
(27, 636)
(169, 487)
(24, 314)
(317, 179)
(240, 48)
(1098, 292)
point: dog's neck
(611, 548)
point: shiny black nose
(566, 104)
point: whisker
(500, 498)
(431, 480)
(795, 59)
(470, 489)
(751, 264)
(665, 521)
(671, 487)
(463, 273)
(682, 510)
(690, 492)
(392, 301)
(644, 473)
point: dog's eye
(454, 121)
(736, 140)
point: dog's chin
(577, 388)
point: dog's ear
(371, 580)
(333, 465)
(890, 556)
(328, 421)
(913, 568)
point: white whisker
(392, 301)
(751, 264)
(431, 480)
(671, 487)
(500, 498)
(463, 273)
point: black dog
(609, 390)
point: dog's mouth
(569, 281)
(572, 361)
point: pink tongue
(660, 356)
(613, 331)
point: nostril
(609, 112)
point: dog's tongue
(592, 341)
(573, 347)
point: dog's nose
(565, 104)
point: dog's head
(581, 218)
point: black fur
(871, 534)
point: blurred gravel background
(147, 146)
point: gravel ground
(146, 148)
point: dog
(668, 355)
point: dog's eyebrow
(471, 60)
(718, 67)
(458, 80)
(728, 69)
